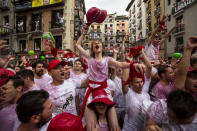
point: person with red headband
(61, 90)
(98, 66)
(137, 99)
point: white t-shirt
(136, 107)
(111, 85)
(152, 52)
(63, 96)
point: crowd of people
(138, 92)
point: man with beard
(40, 78)
(34, 110)
(28, 77)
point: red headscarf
(134, 74)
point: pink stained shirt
(43, 82)
(152, 52)
(34, 87)
(98, 70)
(161, 91)
(8, 118)
(158, 113)
(79, 91)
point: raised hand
(3, 44)
(115, 49)
(192, 43)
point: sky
(111, 6)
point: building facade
(137, 19)
(33, 18)
(184, 13)
(155, 10)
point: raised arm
(79, 42)
(123, 50)
(115, 52)
(183, 66)
(155, 31)
(118, 64)
(168, 34)
(125, 76)
(148, 65)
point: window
(57, 19)
(20, 24)
(105, 39)
(6, 20)
(58, 42)
(123, 25)
(179, 19)
(36, 22)
(169, 17)
(179, 45)
(169, 2)
(105, 26)
(169, 38)
(37, 44)
(22, 45)
(111, 25)
(5, 3)
(117, 24)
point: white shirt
(136, 107)
(152, 52)
(63, 96)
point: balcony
(120, 34)
(4, 30)
(26, 5)
(138, 3)
(95, 36)
(148, 20)
(181, 5)
(157, 12)
(139, 14)
(156, 2)
(108, 34)
(4, 5)
(179, 30)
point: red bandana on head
(134, 74)
(135, 51)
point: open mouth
(97, 47)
